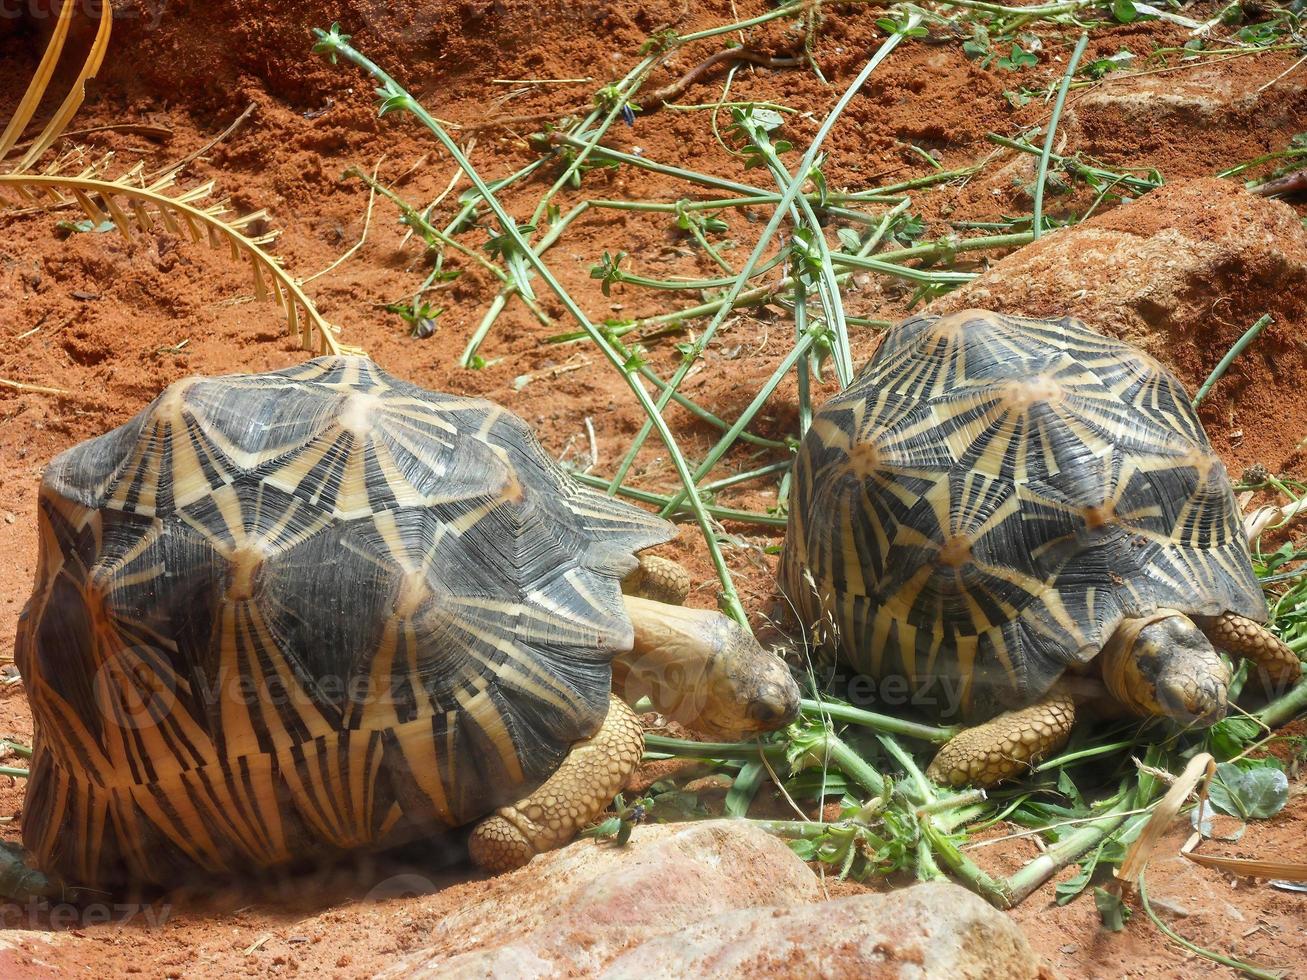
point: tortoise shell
(992, 495)
(277, 614)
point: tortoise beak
(774, 706)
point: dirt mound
(1183, 272)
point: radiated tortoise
(281, 616)
(1011, 514)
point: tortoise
(1014, 514)
(282, 616)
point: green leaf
(1018, 59)
(740, 796)
(806, 849)
(768, 120)
(1067, 788)
(1069, 889)
(1123, 11)
(330, 42)
(1229, 736)
(1250, 794)
(1112, 912)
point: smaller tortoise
(998, 508)
(282, 616)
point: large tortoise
(998, 507)
(281, 616)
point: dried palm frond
(135, 206)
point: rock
(1182, 272)
(1141, 116)
(716, 898)
(929, 930)
(576, 909)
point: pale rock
(716, 898)
(929, 930)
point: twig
(367, 223)
(669, 93)
(192, 157)
(34, 389)
(1293, 183)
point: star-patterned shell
(992, 496)
(321, 608)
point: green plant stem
(827, 288)
(764, 241)
(1068, 849)
(11, 771)
(1042, 176)
(700, 412)
(901, 271)
(632, 279)
(795, 829)
(1284, 708)
(685, 748)
(1290, 154)
(759, 400)
(930, 180)
(661, 500)
(887, 724)
(1257, 973)
(1072, 165)
(397, 97)
(853, 765)
(666, 170)
(760, 199)
(1239, 347)
(1047, 10)
(1070, 758)
(737, 478)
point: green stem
(661, 500)
(1047, 10)
(1257, 973)
(793, 829)
(698, 410)
(397, 97)
(887, 724)
(1072, 165)
(730, 481)
(1070, 758)
(1284, 708)
(853, 765)
(685, 748)
(1042, 175)
(764, 241)
(755, 406)
(902, 272)
(1066, 850)
(1239, 347)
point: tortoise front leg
(1005, 746)
(1243, 637)
(659, 579)
(594, 771)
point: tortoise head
(705, 671)
(1164, 665)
